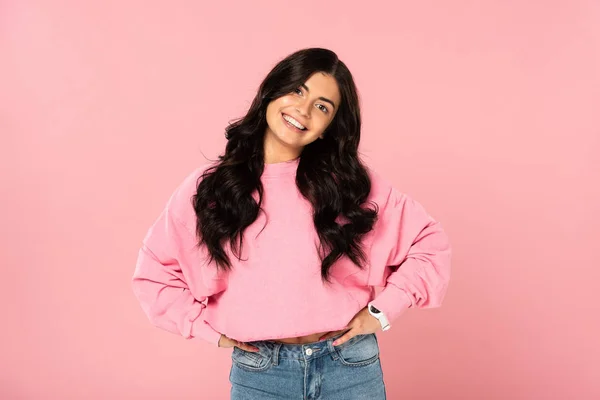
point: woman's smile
(290, 125)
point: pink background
(486, 112)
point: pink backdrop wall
(486, 112)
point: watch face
(373, 309)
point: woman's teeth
(293, 122)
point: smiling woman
(297, 303)
(300, 117)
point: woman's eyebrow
(320, 98)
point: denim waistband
(303, 351)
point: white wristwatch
(385, 325)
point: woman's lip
(282, 114)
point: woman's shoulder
(381, 187)
(181, 200)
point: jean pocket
(252, 361)
(360, 350)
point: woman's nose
(303, 108)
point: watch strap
(380, 315)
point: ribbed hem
(203, 330)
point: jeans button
(308, 352)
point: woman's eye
(323, 108)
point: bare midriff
(313, 337)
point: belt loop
(276, 353)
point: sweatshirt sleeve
(159, 281)
(410, 258)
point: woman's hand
(224, 341)
(362, 324)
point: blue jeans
(318, 370)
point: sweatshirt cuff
(203, 330)
(392, 301)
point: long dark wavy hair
(330, 174)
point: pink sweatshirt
(275, 290)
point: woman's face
(300, 117)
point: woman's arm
(159, 281)
(411, 257)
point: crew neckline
(282, 168)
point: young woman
(276, 248)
